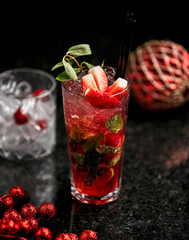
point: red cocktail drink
(95, 122)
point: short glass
(95, 151)
(27, 114)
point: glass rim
(116, 94)
(33, 70)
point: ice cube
(7, 83)
(44, 110)
(28, 105)
(8, 106)
(23, 89)
(28, 131)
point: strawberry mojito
(95, 111)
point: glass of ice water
(27, 114)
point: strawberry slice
(100, 78)
(117, 87)
(88, 82)
(101, 100)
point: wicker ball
(159, 71)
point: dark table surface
(154, 198)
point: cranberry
(20, 118)
(42, 123)
(37, 92)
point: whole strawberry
(159, 71)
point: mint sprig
(69, 59)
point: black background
(154, 199)
(38, 35)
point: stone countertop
(154, 198)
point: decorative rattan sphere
(159, 71)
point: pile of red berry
(22, 225)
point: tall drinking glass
(95, 141)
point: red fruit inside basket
(20, 117)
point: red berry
(7, 226)
(17, 192)
(29, 210)
(16, 226)
(88, 235)
(43, 233)
(73, 236)
(7, 202)
(25, 226)
(12, 214)
(37, 92)
(47, 210)
(63, 236)
(33, 223)
(42, 123)
(20, 118)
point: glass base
(84, 198)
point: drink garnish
(115, 124)
(88, 82)
(105, 150)
(95, 82)
(69, 59)
(100, 78)
(92, 142)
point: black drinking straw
(128, 33)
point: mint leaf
(80, 158)
(89, 65)
(115, 124)
(79, 50)
(77, 135)
(102, 64)
(92, 142)
(89, 179)
(69, 70)
(92, 161)
(62, 77)
(60, 64)
(69, 59)
(106, 150)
